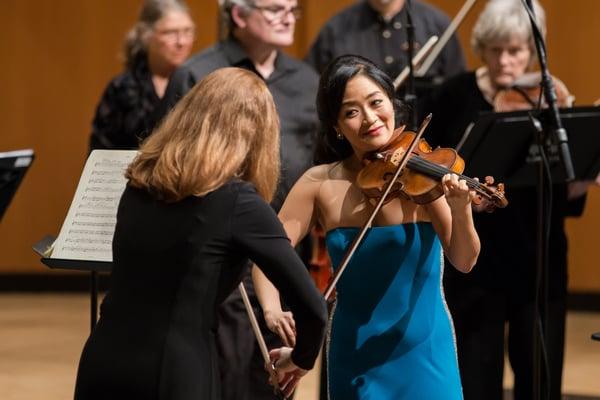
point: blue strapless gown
(391, 333)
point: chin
(505, 79)
(179, 59)
(283, 40)
(376, 142)
(176, 62)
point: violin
(405, 168)
(526, 93)
(319, 263)
(421, 180)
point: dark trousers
(479, 317)
(243, 376)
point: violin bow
(439, 46)
(417, 59)
(261, 341)
(359, 237)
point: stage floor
(41, 337)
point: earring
(339, 135)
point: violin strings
(438, 171)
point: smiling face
(506, 60)
(366, 118)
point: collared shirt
(361, 30)
(293, 85)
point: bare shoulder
(320, 173)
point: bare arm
(278, 321)
(297, 216)
(452, 218)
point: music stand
(507, 146)
(13, 166)
(93, 267)
(493, 132)
(85, 239)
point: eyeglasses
(277, 13)
(172, 35)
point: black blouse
(124, 115)
(173, 265)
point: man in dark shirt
(376, 29)
(257, 30)
(293, 84)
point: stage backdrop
(57, 57)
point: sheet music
(88, 230)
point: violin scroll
(495, 193)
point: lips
(373, 132)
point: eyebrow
(345, 103)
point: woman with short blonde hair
(500, 20)
(194, 212)
(502, 287)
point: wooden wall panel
(58, 56)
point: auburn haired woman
(194, 211)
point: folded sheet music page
(88, 230)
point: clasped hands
(288, 374)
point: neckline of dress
(378, 226)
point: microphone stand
(554, 132)
(558, 132)
(410, 97)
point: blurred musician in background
(376, 29)
(501, 288)
(159, 42)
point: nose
(183, 38)
(504, 58)
(288, 18)
(179, 39)
(370, 117)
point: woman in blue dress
(391, 336)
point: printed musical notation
(87, 231)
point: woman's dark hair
(332, 86)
